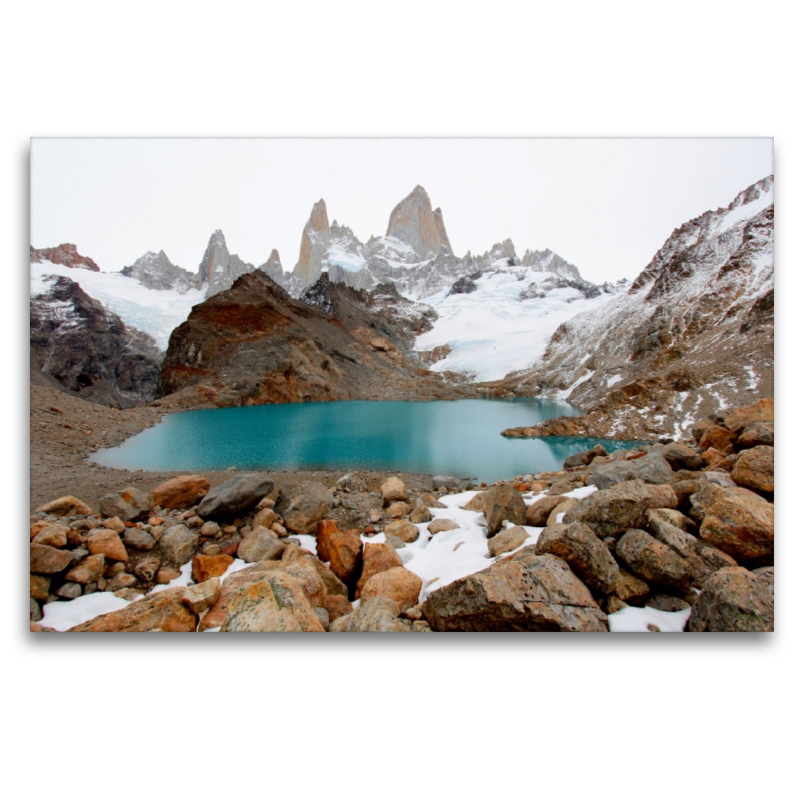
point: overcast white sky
(605, 205)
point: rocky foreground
(685, 529)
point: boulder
(393, 489)
(566, 505)
(585, 457)
(701, 502)
(107, 542)
(420, 513)
(377, 558)
(476, 503)
(761, 411)
(163, 611)
(236, 496)
(666, 602)
(166, 575)
(684, 489)
(684, 544)
(449, 482)
(503, 502)
(40, 587)
(265, 518)
(653, 561)
(652, 469)
(113, 524)
(397, 583)
(273, 602)
(441, 524)
(611, 512)
(147, 569)
(351, 483)
(54, 535)
(586, 555)
(678, 456)
(122, 580)
(378, 615)
(206, 567)
(69, 591)
(755, 469)
(181, 492)
(398, 509)
(302, 504)
(734, 599)
(260, 545)
(630, 589)
(333, 586)
(524, 592)
(755, 434)
(669, 515)
(718, 438)
(402, 529)
(743, 528)
(138, 539)
(537, 514)
(130, 504)
(507, 540)
(303, 571)
(88, 570)
(202, 596)
(67, 506)
(179, 544)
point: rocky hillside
(66, 254)
(693, 335)
(83, 347)
(255, 344)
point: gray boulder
(500, 503)
(652, 468)
(449, 482)
(179, 544)
(260, 545)
(351, 483)
(235, 496)
(734, 599)
(678, 456)
(303, 504)
(130, 504)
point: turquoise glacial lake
(442, 437)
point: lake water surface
(444, 437)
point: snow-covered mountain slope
(156, 312)
(502, 320)
(693, 335)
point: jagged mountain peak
(414, 222)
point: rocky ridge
(156, 271)
(681, 535)
(66, 254)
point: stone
(449, 482)
(36, 612)
(333, 586)
(48, 560)
(679, 456)
(377, 558)
(130, 594)
(507, 540)
(721, 478)
(537, 514)
(147, 569)
(398, 544)
(114, 524)
(206, 567)
(302, 504)
(686, 488)
(397, 583)
(718, 438)
(210, 549)
(734, 599)
(713, 459)
(130, 504)
(69, 591)
(236, 496)
(138, 539)
(743, 528)
(67, 506)
(705, 561)
(653, 561)
(684, 544)
(614, 604)
(324, 616)
(398, 509)
(40, 587)
(179, 544)
(755, 434)
(343, 549)
(432, 501)
(279, 530)
(566, 505)
(652, 469)
(121, 580)
(669, 515)
(611, 512)
(755, 469)
(88, 570)
(378, 615)
(167, 575)
(476, 503)
(503, 502)
(666, 602)
(441, 524)
(524, 592)
(52, 535)
(402, 529)
(181, 492)
(202, 596)
(157, 531)
(164, 611)
(701, 502)
(420, 513)
(211, 529)
(304, 572)
(260, 545)
(265, 518)
(350, 483)
(585, 554)
(393, 489)
(761, 411)
(337, 606)
(275, 602)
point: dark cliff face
(90, 351)
(254, 344)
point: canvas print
(401, 385)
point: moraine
(460, 437)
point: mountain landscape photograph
(402, 385)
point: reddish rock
(88, 570)
(404, 530)
(40, 587)
(309, 580)
(719, 438)
(734, 599)
(107, 542)
(207, 567)
(398, 584)
(377, 558)
(166, 575)
(49, 560)
(54, 535)
(653, 561)
(441, 524)
(742, 527)
(755, 469)
(181, 492)
(393, 489)
(761, 411)
(337, 606)
(537, 514)
(162, 611)
(67, 506)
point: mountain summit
(414, 222)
